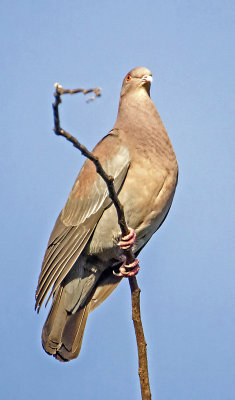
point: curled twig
(135, 290)
(61, 90)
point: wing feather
(78, 219)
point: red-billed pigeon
(85, 248)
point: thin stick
(140, 339)
(96, 91)
(135, 290)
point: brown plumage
(83, 246)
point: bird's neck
(136, 110)
(141, 125)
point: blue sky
(187, 270)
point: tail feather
(53, 327)
(73, 334)
(63, 330)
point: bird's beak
(147, 78)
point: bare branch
(140, 339)
(135, 290)
(61, 90)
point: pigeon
(85, 247)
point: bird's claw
(133, 269)
(126, 242)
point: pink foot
(127, 241)
(133, 267)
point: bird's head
(137, 79)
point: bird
(85, 247)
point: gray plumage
(83, 246)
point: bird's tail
(63, 331)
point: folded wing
(78, 219)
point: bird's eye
(128, 78)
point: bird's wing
(78, 219)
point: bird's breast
(146, 196)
